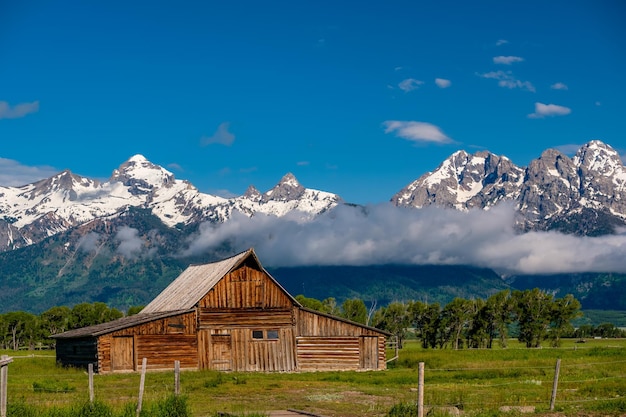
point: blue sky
(355, 98)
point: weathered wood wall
(161, 341)
(236, 350)
(246, 288)
(326, 343)
(328, 353)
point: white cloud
(89, 242)
(384, 234)
(18, 110)
(548, 110)
(558, 86)
(507, 80)
(130, 243)
(442, 82)
(14, 174)
(507, 60)
(410, 84)
(175, 166)
(221, 136)
(416, 131)
(501, 42)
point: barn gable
(218, 284)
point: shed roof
(197, 280)
(115, 325)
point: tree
(492, 319)
(85, 314)
(134, 310)
(355, 310)
(425, 319)
(54, 320)
(564, 310)
(394, 319)
(456, 317)
(312, 303)
(481, 329)
(534, 314)
(20, 327)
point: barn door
(122, 354)
(221, 352)
(368, 355)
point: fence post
(91, 394)
(176, 377)
(555, 384)
(142, 382)
(420, 390)
(4, 380)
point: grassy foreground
(592, 382)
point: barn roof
(115, 325)
(197, 280)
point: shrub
(52, 385)
(172, 406)
(403, 410)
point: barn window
(265, 334)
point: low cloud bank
(384, 234)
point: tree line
(23, 330)
(531, 315)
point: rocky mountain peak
(142, 175)
(252, 194)
(553, 192)
(598, 157)
(463, 181)
(287, 189)
(65, 183)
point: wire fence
(579, 383)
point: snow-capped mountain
(464, 181)
(35, 211)
(585, 194)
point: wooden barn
(230, 315)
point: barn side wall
(77, 352)
(161, 341)
(325, 343)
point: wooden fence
(4, 382)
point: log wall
(77, 352)
(328, 353)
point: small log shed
(230, 315)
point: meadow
(592, 382)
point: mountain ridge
(551, 189)
(68, 239)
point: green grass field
(592, 383)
